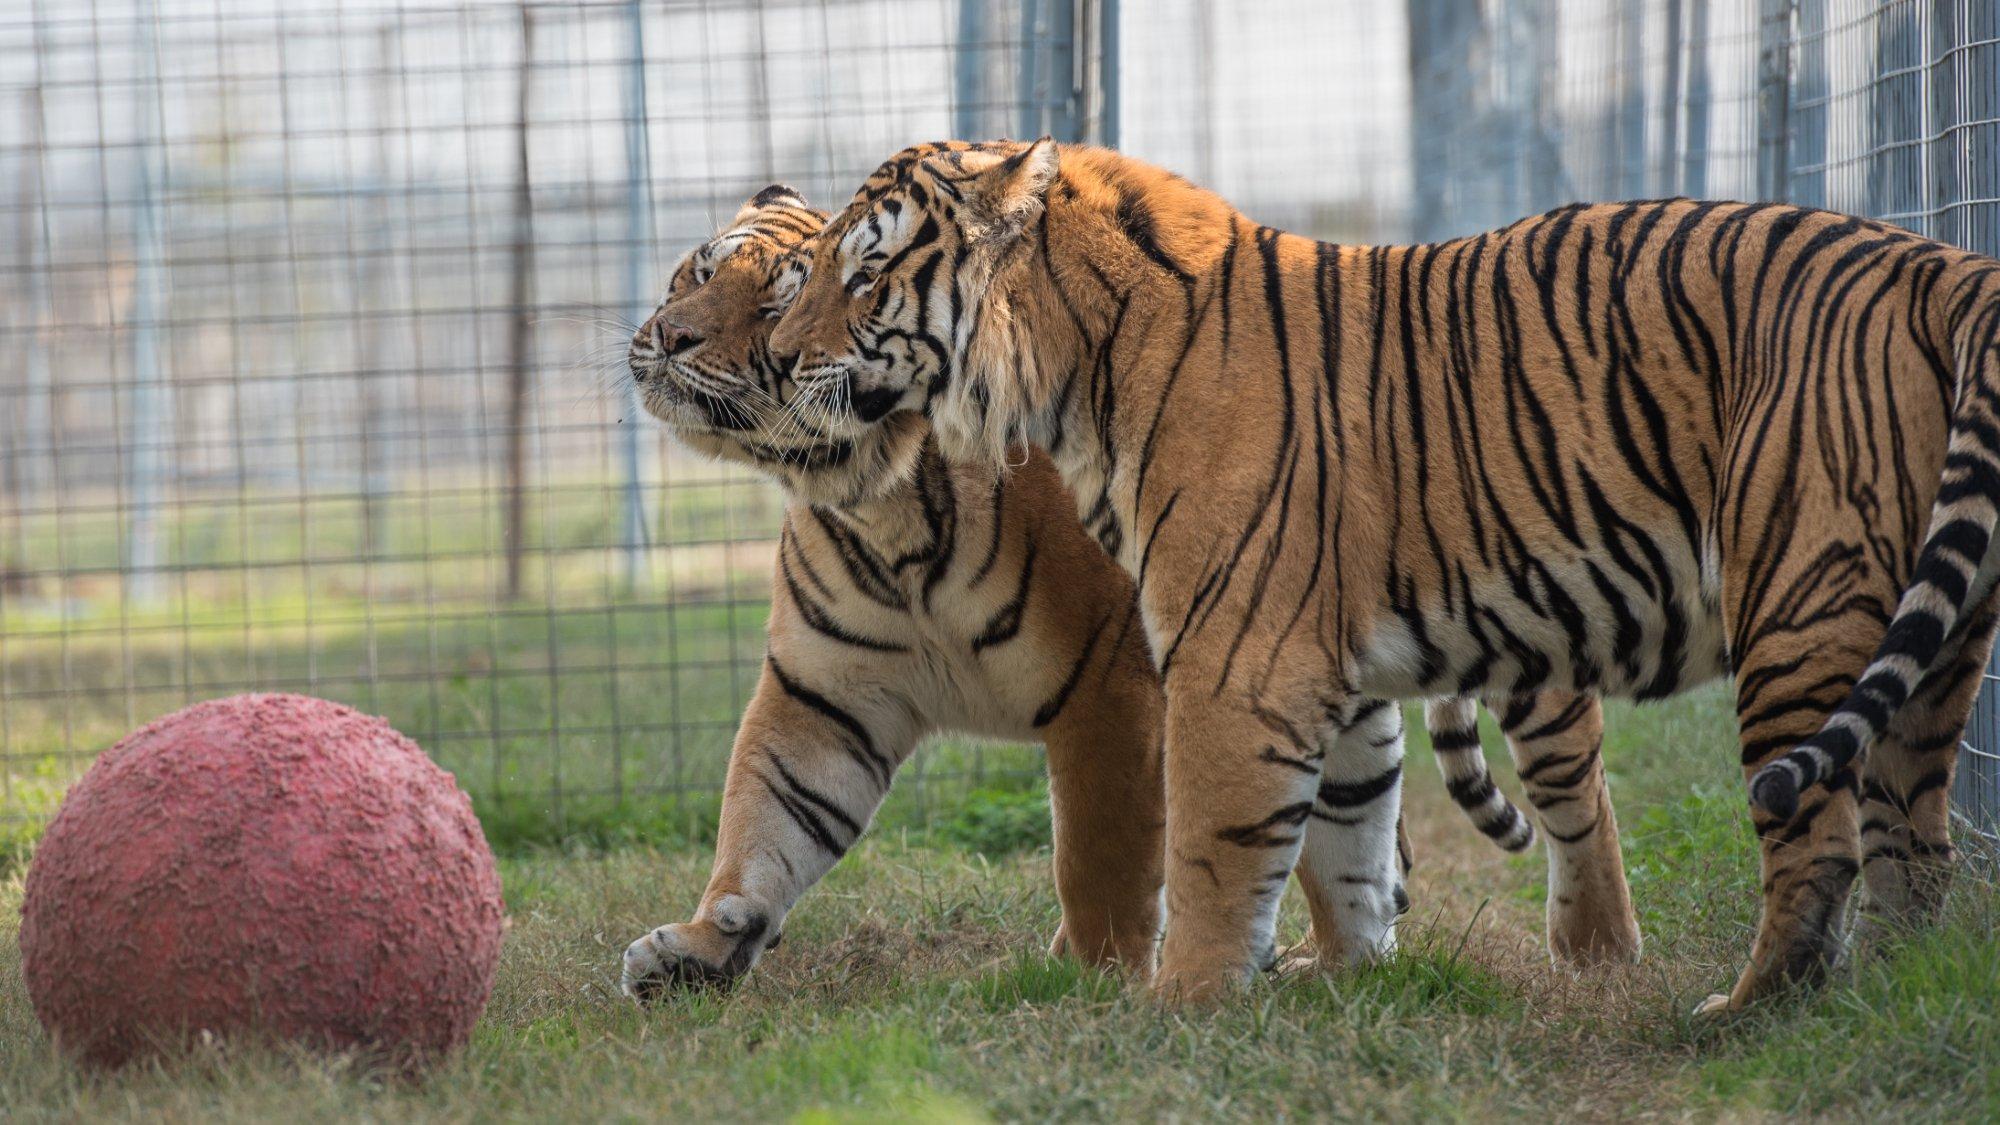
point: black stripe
(1348, 794)
(1451, 741)
(1006, 623)
(804, 817)
(1268, 832)
(820, 620)
(815, 797)
(862, 748)
(1047, 712)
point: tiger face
(899, 281)
(703, 363)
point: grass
(578, 711)
(911, 986)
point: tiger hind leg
(1356, 854)
(1809, 860)
(1906, 849)
(1556, 739)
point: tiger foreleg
(1239, 797)
(805, 777)
(1108, 810)
(1556, 739)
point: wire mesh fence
(312, 311)
(1885, 109)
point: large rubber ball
(262, 866)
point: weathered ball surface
(265, 865)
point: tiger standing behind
(1621, 448)
(911, 597)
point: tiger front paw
(713, 951)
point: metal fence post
(1530, 171)
(1774, 97)
(1628, 117)
(1896, 125)
(520, 334)
(969, 72)
(33, 428)
(1049, 80)
(1029, 125)
(151, 403)
(1441, 37)
(1107, 73)
(1694, 137)
(1962, 181)
(638, 252)
(1810, 105)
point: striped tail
(1961, 529)
(1454, 727)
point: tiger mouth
(675, 402)
(694, 414)
(817, 457)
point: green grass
(911, 986)
(579, 711)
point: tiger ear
(1004, 199)
(775, 195)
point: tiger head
(908, 291)
(704, 365)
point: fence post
(1441, 37)
(1808, 117)
(32, 428)
(1962, 173)
(1029, 126)
(151, 403)
(1774, 97)
(638, 252)
(1108, 74)
(1528, 175)
(1668, 152)
(369, 302)
(1049, 80)
(1694, 151)
(520, 332)
(969, 72)
(1629, 116)
(1945, 134)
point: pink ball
(274, 865)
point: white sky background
(1293, 108)
(1290, 108)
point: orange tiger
(912, 597)
(1618, 448)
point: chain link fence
(312, 312)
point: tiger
(1616, 448)
(910, 596)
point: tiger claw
(1715, 1007)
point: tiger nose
(665, 336)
